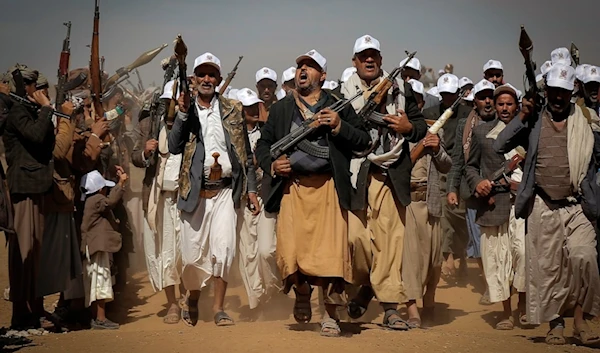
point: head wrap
(27, 73)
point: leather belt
(418, 187)
(417, 196)
(210, 188)
(554, 204)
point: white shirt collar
(213, 103)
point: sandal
(392, 320)
(302, 308)
(523, 321)
(586, 337)
(556, 336)
(414, 322)
(222, 319)
(173, 316)
(330, 328)
(189, 314)
(506, 324)
(358, 306)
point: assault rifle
(63, 68)
(297, 136)
(230, 76)
(500, 179)
(530, 84)
(417, 151)
(378, 95)
(575, 53)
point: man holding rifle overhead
(382, 182)
(557, 198)
(311, 190)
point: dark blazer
(398, 172)
(352, 136)
(482, 163)
(29, 142)
(527, 134)
(243, 171)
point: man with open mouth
(311, 191)
(382, 182)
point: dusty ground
(463, 326)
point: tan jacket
(70, 149)
(99, 228)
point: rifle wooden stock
(95, 66)
(230, 76)
(434, 128)
(63, 69)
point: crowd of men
(367, 206)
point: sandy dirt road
(462, 326)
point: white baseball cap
(331, 85)
(470, 97)
(580, 71)
(93, 182)
(280, 94)
(347, 73)
(288, 75)
(492, 64)
(591, 74)
(464, 81)
(209, 59)
(433, 91)
(448, 83)
(366, 42)
(539, 78)
(482, 86)
(314, 55)
(267, 73)
(546, 67)
(233, 93)
(168, 90)
(561, 56)
(417, 86)
(414, 64)
(248, 97)
(561, 76)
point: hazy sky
(273, 33)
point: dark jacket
(527, 134)
(5, 105)
(352, 136)
(29, 142)
(192, 164)
(482, 163)
(398, 172)
(142, 133)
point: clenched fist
(151, 146)
(282, 166)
